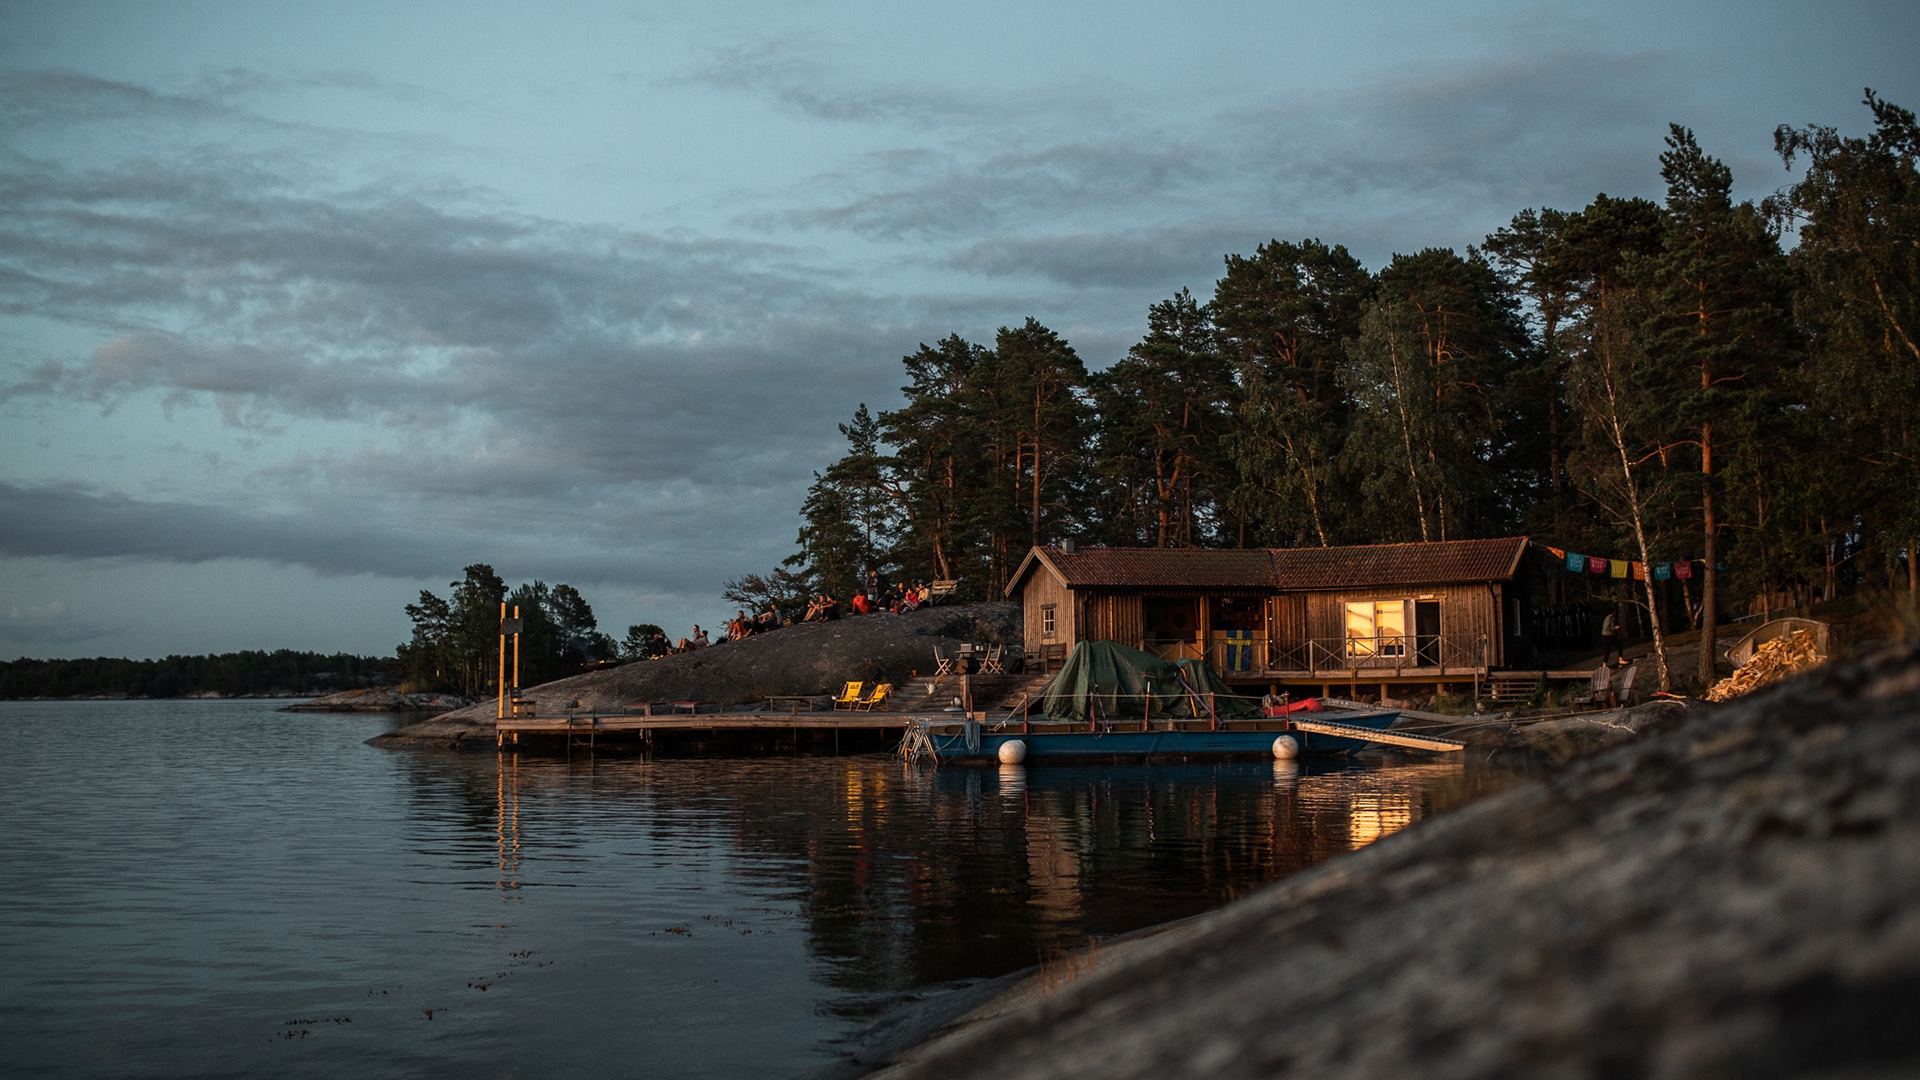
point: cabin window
(1239, 613)
(1377, 628)
(1046, 622)
(1171, 619)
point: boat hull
(1085, 745)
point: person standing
(1610, 638)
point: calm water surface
(218, 888)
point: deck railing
(1380, 654)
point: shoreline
(1660, 904)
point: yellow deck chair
(876, 698)
(849, 696)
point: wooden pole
(500, 711)
(516, 647)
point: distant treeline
(1651, 381)
(252, 672)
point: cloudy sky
(305, 306)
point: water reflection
(906, 877)
(197, 879)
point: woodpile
(1771, 662)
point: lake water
(217, 888)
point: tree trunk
(1709, 581)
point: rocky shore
(1724, 891)
(380, 699)
(811, 658)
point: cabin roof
(1279, 569)
(1376, 565)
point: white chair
(992, 665)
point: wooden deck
(585, 723)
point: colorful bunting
(1639, 571)
(1683, 570)
(1619, 568)
(1596, 564)
(1663, 572)
(1576, 563)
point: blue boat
(972, 741)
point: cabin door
(1426, 633)
(1172, 626)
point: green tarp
(1110, 681)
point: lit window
(1046, 621)
(1377, 628)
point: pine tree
(1162, 412)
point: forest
(1690, 379)
(240, 674)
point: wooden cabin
(1377, 614)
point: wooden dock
(782, 726)
(648, 727)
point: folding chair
(942, 663)
(1598, 687)
(876, 698)
(992, 665)
(849, 696)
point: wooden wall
(1114, 617)
(1466, 613)
(1043, 588)
(1287, 619)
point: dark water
(218, 888)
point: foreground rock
(1731, 893)
(812, 658)
(380, 699)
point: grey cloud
(798, 73)
(1414, 161)
(1136, 258)
(585, 404)
(603, 545)
(38, 625)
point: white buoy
(1013, 752)
(1013, 780)
(1286, 748)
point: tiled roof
(1241, 568)
(1441, 562)
(1285, 569)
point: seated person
(659, 646)
(861, 605)
(767, 620)
(738, 627)
(700, 638)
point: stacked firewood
(1771, 662)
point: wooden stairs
(1507, 688)
(995, 695)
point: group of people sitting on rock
(899, 599)
(744, 625)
